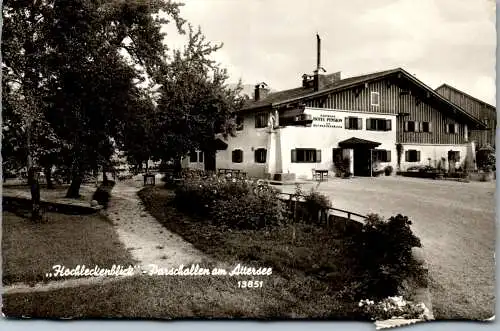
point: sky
(274, 41)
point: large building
(387, 118)
(477, 108)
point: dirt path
(146, 239)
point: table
(320, 174)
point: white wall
(327, 138)
(435, 153)
(248, 139)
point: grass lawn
(165, 297)
(31, 249)
(307, 281)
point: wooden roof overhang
(358, 143)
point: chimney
(326, 80)
(261, 91)
(316, 80)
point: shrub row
(232, 202)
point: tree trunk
(48, 176)
(35, 195)
(104, 176)
(74, 187)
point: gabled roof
(465, 94)
(284, 96)
(303, 94)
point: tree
(84, 59)
(27, 135)
(194, 104)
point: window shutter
(388, 156)
(407, 156)
(264, 155)
(418, 156)
(418, 126)
(406, 126)
(294, 155)
(457, 157)
(447, 128)
(430, 126)
(368, 124)
(388, 125)
(360, 124)
(347, 126)
(256, 155)
(318, 155)
(456, 127)
(200, 158)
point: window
(261, 120)
(305, 155)
(353, 123)
(260, 155)
(378, 124)
(381, 155)
(414, 126)
(410, 126)
(237, 156)
(452, 128)
(375, 99)
(426, 127)
(412, 155)
(193, 157)
(239, 123)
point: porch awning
(357, 143)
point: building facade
(378, 120)
(477, 108)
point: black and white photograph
(249, 160)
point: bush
(314, 202)
(383, 254)
(388, 170)
(232, 202)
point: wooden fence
(328, 216)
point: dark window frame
(357, 121)
(261, 120)
(412, 155)
(237, 156)
(306, 155)
(455, 129)
(260, 155)
(381, 155)
(387, 126)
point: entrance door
(362, 162)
